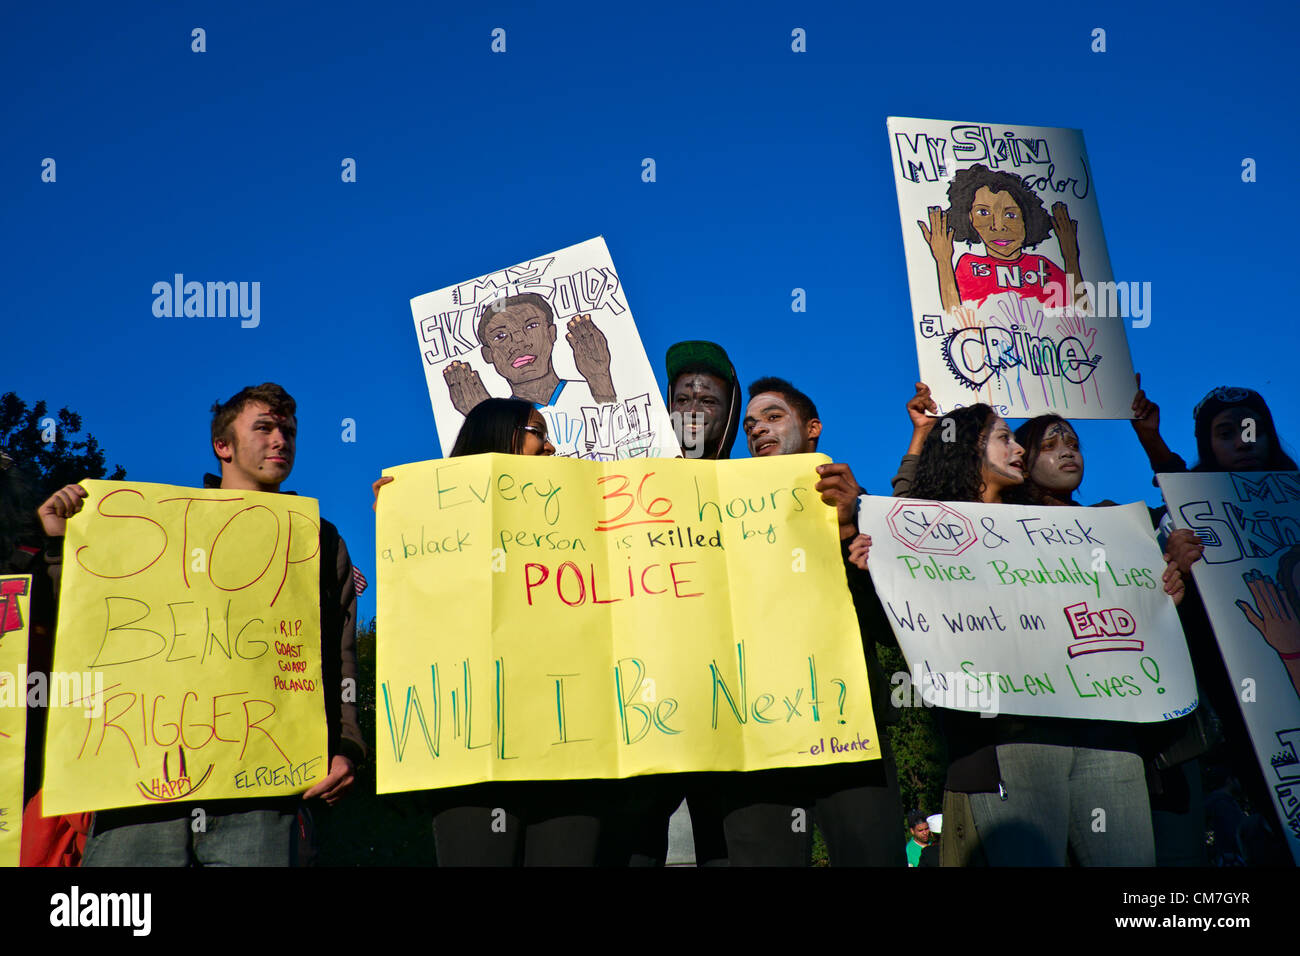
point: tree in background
(46, 447)
(918, 748)
(39, 454)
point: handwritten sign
(1250, 582)
(558, 332)
(552, 618)
(188, 648)
(1013, 301)
(1056, 612)
(15, 603)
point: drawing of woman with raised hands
(999, 210)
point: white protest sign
(1000, 223)
(1056, 612)
(1249, 580)
(556, 331)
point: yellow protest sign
(15, 603)
(188, 647)
(552, 618)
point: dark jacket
(338, 639)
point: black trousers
(856, 806)
(637, 831)
(765, 817)
(545, 823)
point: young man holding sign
(253, 437)
(856, 805)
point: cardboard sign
(555, 331)
(547, 618)
(1055, 612)
(15, 624)
(1249, 580)
(1013, 301)
(189, 649)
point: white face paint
(1003, 460)
(1058, 469)
(773, 427)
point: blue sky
(773, 173)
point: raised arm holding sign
(967, 581)
(214, 630)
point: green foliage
(821, 855)
(918, 748)
(60, 461)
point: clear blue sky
(772, 173)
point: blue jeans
(239, 838)
(1093, 802)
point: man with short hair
(919, 827)
(254, 437)
(856, 805)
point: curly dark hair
(1029, 436)
(952, 470)
(961, 195)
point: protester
(856, 805)
(703, 398)
(704, 401)
(1054, 464)
(931, 853)
(1032, 782)
(254, 437)
(530, 823)
(1234, 431)
(919, 828)
(507, 425)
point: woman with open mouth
(1020, 790)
